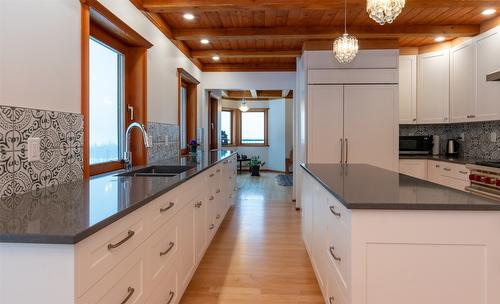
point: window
(227, 127)
(105, 103)
(254, 127)
(183, 118)
(188, 86)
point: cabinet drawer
(101, 252)
(164, 208)
(334, 293)
(124, 284)
(167, 291)
(161, 251)
(414, 167)
(455, 171)
(338, 252)
(448, 174)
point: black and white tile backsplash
(61, 148)
(476, 143)
(165, 141)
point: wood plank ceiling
(268, 35)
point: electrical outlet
(493, 137)
(33, 149)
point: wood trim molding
(408, 51)
(191, 84)
(489, 24)
(105, 167)
(103, 17)
(85, 23)
(247, 53)
(186, 77)
(364, 44)
(249, 67)
(266, 128)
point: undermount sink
(158, 171)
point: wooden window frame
(98, 22)
(191, 84)
(266, 128)
(234, 127)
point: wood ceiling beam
(254, 93)
(373, 32)
(247, 53)
(163, 6)
(248, 67)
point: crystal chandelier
(384, 11)
(345, 47)
(244, 106)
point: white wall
(40, 54)
(40, 59)
(280, 132)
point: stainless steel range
(485, 179)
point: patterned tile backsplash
(165, 141)
(61, 147)
(476, 143)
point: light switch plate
(33, 149)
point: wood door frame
(211, 108)
(191, 84)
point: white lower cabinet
(413, 167)
(151, 255)
(400, 256)
(444, 173)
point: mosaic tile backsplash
(165, 141)
(61, 148)
(476, 143)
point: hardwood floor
(258, 255)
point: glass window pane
(105, 103)
(252, 127)
(183, 123)
(226, 123)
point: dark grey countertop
(71, 212)
(360, 186)
(456, 160)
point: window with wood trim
(254, 127)
(187, 109)
(113, 88)
(227, 127)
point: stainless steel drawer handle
(438, 166)
(332, 209)
(170, 246)
(212, 226)
(170, 205)
(217, 191)
(130, 234)
(198, 204)
(446, 169)
(463, 172)
(130, 291)
(171, 297)
(218, 216)
(332, 252)
(331, 300)
(211, 197)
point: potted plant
(255, 164)
(193, 145)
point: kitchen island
(114, 238)
(375, 236)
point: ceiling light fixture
(244, 106)
(345, 47)
(384, 11)
(188, 16)
(205, 41)
(489, 11)
(215, 58)
(439, 39)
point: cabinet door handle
(463, 172)
(446, 169)
(211, 175)
(332, 252)
(130, 234)
(171, 297)
(346, 151)
(414, 119)
(170, 246)
(332, 209)
(341, 151)
(170, 205)
(438, 166)
(218, 170)
(471, 116)
(130, 291)
(211, 226)
(211, 197)
(198, 204)
(331, 300)
(217, 191)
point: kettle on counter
(452, 147)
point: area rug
(285, 180)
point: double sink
(160, 171)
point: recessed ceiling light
(439, 39)
(215, 58)
(489, 11)
(188, 16)
(205, 41)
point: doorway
(213, 115)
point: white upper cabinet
(408, 89)
(462, 82)
(488, 60)
(433, 87)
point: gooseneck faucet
(127, 155)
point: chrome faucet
(127, 155)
